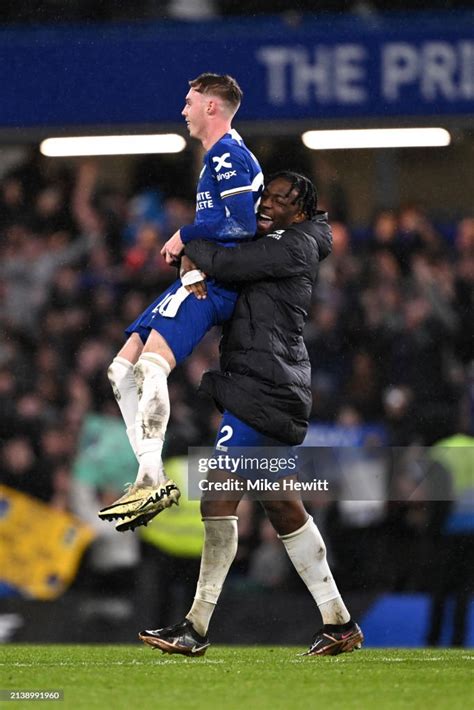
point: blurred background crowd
(389, 337)
(389, 333)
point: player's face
(195, 113)
(278, 207)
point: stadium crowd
(389, 337)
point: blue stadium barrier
(401, 620)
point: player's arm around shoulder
(281, 254)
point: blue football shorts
(235, 437)
(182, 319)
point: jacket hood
(319, 229)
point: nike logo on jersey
(221, 162)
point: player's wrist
(186, 233)
(191, 277)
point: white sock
(120, 374)
(220, 547)
(307, 551)
(151, 377)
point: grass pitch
(248, 678)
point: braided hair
(307, 197)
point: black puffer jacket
(265, 377)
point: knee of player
(286, 516)
(151, 365)
(275, 507)
(207, 508)
(139, 375)
(113, 373)
(217, 508)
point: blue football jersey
(228, 193)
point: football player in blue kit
(228, 192)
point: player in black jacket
(265, 393)
(265, 377)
